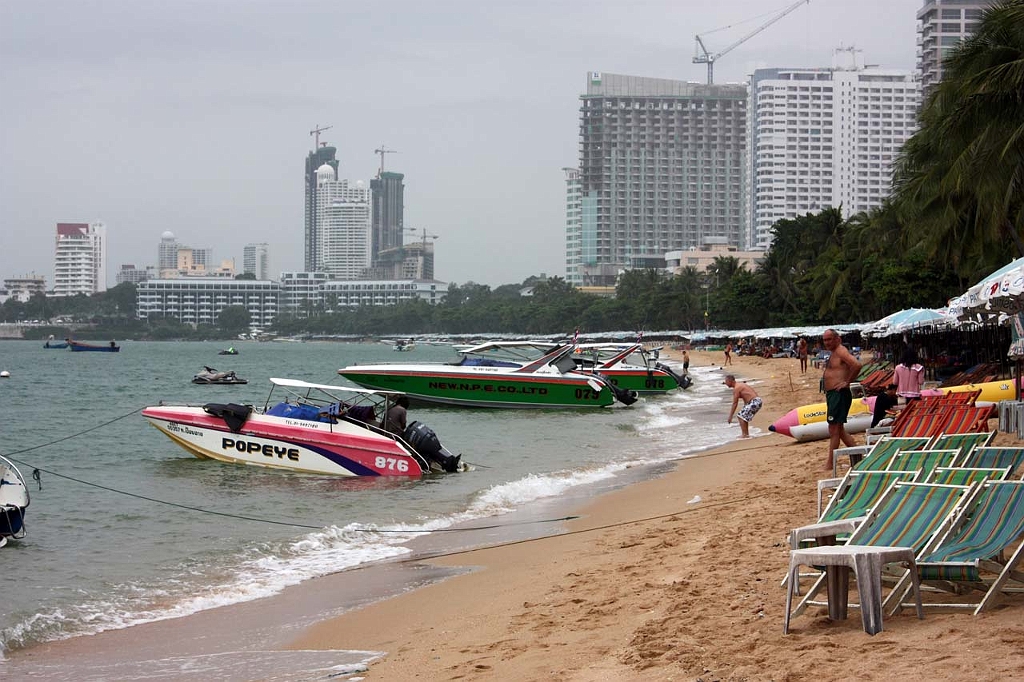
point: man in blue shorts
(751, 404)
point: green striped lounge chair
(875, 458)
(973, 552)
(903, 525)
(923, 460)
(965, 442)
(966, 476)
(994, 457)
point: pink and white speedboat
(316, 428)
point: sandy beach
(675, 578)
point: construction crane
(710, 59)
(425, 236)
(315, 132)
(382, 150)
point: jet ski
(211, 376)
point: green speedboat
(475, 380)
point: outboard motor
(623, 395)
(683, 380)
(425, 441)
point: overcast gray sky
(194, 116)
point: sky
(195, 116)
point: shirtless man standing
(751, 405)
(840, 371)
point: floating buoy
(5, 374)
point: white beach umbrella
(1000, 292)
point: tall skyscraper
(661, 169)
(315, 160)
(167, 252)
(825, 137)
(573, 228)
(80, 259)
(256, 260)
(343, 225)
(942, 24)
(387, 224)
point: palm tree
(960, 179)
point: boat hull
(341, 449)
(77, 346)
(482, 387)
(640, 380)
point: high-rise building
(825, 137)
(132, 274)
(256, 260)
(80, 262)
(941, 25)
(314, 161)
(167, 252)
(387, 222)
(343, 225)
(573, 228)
(661, 169)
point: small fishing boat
(209, 375)
(102, 348)
(228, 351)
(54, 344)
(14, 500)
(478, 380)
(403, 345)
(317, 428)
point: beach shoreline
(674, 576)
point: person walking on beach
(686, 362)
(909, 376)
(751, 404)
(841, 369)
(801, 352)
(728, 352)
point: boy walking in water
(841, 369)
(752, 403)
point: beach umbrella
(908, 320)
(999, 292)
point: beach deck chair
(995, 457)
(855, 495)
(870, 457)
(923, 460)
(901, 526)
(966, 476)
(965, 442)
(974, 547)
(968, 418)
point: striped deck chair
(966, 476)
(855, 495)
(928, 423)
(967, 419)
(995, 458)
(875, 457)
(965, 442)
(904, 524)
(923, 460)
(974, 547)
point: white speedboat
(14, 500)
(316, 428)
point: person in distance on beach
(686, 362)
(728, 352)
(801, 352)
(840, 371)
(752, 403)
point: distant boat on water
(54, 343)
(103, 348)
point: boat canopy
(296, 383)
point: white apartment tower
(167, 252)
(941, 25)
(573, 227)
(256, 260)
(80, 259)
(343, 225)
(825, 138)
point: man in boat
(841, 369)
(395, 419)
(752, 403)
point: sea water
(125, 527)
